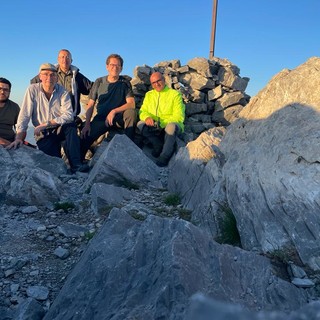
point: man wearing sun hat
(48, 105)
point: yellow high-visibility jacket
(165, 107)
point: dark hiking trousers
(52, 140)
(125, 120)
(155, 137)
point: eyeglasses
(47, 75)
(114, 65)
(64, 57)
(6, 90)
(157, 81)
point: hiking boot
(162, 161)
(156, 151)
(80, 168)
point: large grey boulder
(123, 164)
(196, 175)
(31, 158)
(203, 308)
(272, 169)
(149, 269)
(28, 309)
(30, 177)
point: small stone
(29, 209)
(296, 271)
(18, 263)
(34, 273)
(302, 283)
(9, 272)
(62, 253)
(38, 292)
(41, 228)
(14, 300)
(14, 287)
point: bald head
(157, 81)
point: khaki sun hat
(47, 66)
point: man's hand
(85, 131)
(15, 144)
(110, 117)
(149, 122)
(39, 128)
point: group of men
(52, 104)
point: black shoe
(80, 168)
(162, 161)
(156, 151)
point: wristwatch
(48, 124)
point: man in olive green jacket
(161, 118)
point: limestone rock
(230, 80)
(31, 158)
(272, 168)
(227, 116)
(197, 177)
(29, 309)
(204, 308)
(104, 195)
(114, 166)
(144, 261)
(150, 269)
(285, 89)
(201, 65)
(29, 177)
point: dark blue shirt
(110, 95)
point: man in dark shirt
(9, 112)
(115, 106)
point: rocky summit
(229, 230)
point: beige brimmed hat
(47, 66)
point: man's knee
(130, 116)
(172, 128)
(140, 125)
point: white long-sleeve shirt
(37, 108)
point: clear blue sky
(261, 37)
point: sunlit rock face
(272, 169)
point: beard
(4, 100)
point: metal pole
(213, 28)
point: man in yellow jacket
(161, 118)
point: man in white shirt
(48, 105)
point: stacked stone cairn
(212, 90)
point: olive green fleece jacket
(165, 106)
